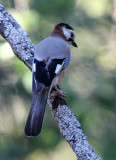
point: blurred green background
(90, 82)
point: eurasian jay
(51, 58)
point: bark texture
(70, 129)
(69, 126)
(17, 37)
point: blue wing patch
(44, 73)
(66, 61)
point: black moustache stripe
(70, 40)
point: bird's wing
(51, 55)
(44, 72)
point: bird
(51, 58)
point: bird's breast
(59, 77)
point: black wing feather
(45, 72)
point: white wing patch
(58, 68)
(34, 67)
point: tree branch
(69, 126)
(70, 129)
(17, 37)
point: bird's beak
(74, 43)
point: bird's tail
(35, 118)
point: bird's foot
(58, 93)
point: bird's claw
(58, 94)
(63, 94)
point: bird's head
(67, 32)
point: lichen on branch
(16, 36)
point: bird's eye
(72, 35)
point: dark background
(90, 82)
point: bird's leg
(59, 92)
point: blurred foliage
(90, 82)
